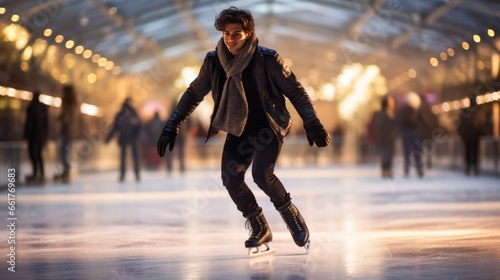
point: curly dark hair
(235, 15)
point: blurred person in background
(151, 129)
(71, 122)
(386, 134)
(180, 152)
(338, 141)
(471, 126)
(409, 118)
(36, 131)
(249, 84)
(367, 146)
(427, 129)
(199, 133)
(128, 125)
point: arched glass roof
(396, 35)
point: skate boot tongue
(295, 224)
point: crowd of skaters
(415, 125)
(411, 122)
(135, 137)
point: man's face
(234, 37)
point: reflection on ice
(445, 226)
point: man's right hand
(167, 138)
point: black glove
(186, 105)
(167, 138)
(317, 134)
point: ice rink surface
(444, 226)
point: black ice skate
(35, 180)
(295, 224)
(64, 177)
(260, 234)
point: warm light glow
(63, 79)
(445, 107)
(95, 57)
(70, 44)
(491, 32)
(311, 92)
(465, 46)
(50, 100)
(443, 56)
(51, 54)
(327, 92)
(112, 10)
(39, 47)
(348, 74)
(360, 91)
(102, 61)
(92, 78)
(69, 60)
(28, 52)
(487, 98)
(465, 102)
(188, 74)
(412, 73)
(59, 39)
(479, 99)
(25, 66)
(476, 38)
(87, 54)
(85, 108)
(26, 95)
(14, 18)
(480, 65)
(288, 62)
(17, 34)
(436, 110)
(55, 72)
(90, 110)
(463, 67)
(433, 61)
(79, 49)
(331, 56)
(47, 32)
(450, 52)
(109, 65)
(116, 70)
(2, 10)
(11, 92)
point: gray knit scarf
(232, 113)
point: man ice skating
(249, 84)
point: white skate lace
(251, 231)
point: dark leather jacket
(275, 82)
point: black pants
(412, 150)
(178, 152)
(472, 156)
(123, 158)
(262, 149)
(35, 153)
(386, 155)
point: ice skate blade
(257, 251)
(308, 246)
